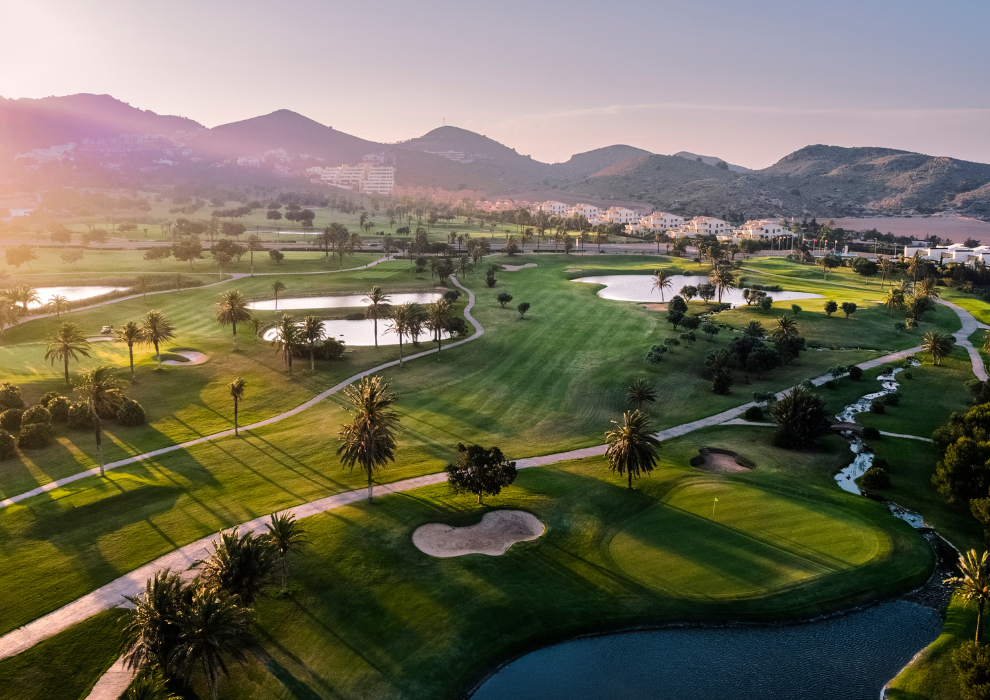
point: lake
(71, 293)
(339, 302)
(640, 288)
(362, 332)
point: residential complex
(368, 177)
(957, 252)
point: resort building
(552, 208)
(957, 253)
(705, 226)
(589, 211)
(620, 215)
(366, 177)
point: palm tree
(369, 439)
(894, 299)
(632, 447)
(641, 392)
(8, 313)
(149, 686)
(231, 310)
(58, 305)
(277, 287)
(886, 268)
(284, 536)
(313, 332)
(66, 343)
(927, 288)
(378, 306)
(286, 339)
(723, 279)
(236, 393)
(974, 582)
(155, 330)
(213, 626)
(754, 329)
(129, 333)
(785, 328)
(937, 344)
(240, 564)
(438, 318)
(986, 343)
(143, 285)
(26, 294)
(403, 318)
(253, 245)
(104, 396)
(662, 279)
(915, 266)
(151, 629)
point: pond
(640, 288)
(339, 302)
(362, 332)
(71, 293)
(848, 657)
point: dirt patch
(493, 536)
(515, 268)
(713, 459)
(655, 307)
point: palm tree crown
(662, 279)
(785, 328)
(437, 319)
(641, 392)
(404, 317)
(237, 393)
(937, 344)
(129, 333)
(378, 306)
(974, 582)
(240, 564)
(285, 536)
(277, 286)
(632, 447)
(369, 439)
(66, 343)
(155, 330)
(231, 310)
(286, 339)
(104, 395)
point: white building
(957, 252)
(661, 221)
(763, 228)
(379, 179)
(551, 208)
(374, 158)
(589, 211)
(620, 215)
(366, 177)
(705, 226)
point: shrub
(881, 463)
(848, 308)
(831, 307)
(11, 419)
(892, 399)
(655, 355)
(855, 372)
(878, 406)
(80, 417)
(8, 447)
(908, 375)
(10, 396)
(875, 478)
(48, 397)
(36, 414)
(34, 436)
(871, 434)
(130, 413)
(329, 349)
(59, 409)
(831, 384)
(753, 413)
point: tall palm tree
(915, 266)
(8, 313)
(254, 245)
(236, 393)
(277, 287)
(886, 268)
(103, 395)
(632, 447)
(155, 330)
(240, 564)
(937, 344)
(231, 310)
(437, 319)
(894, 299)
(369, 439)
(129, 333)
(26, 294)
(313, 331)
(285, 536)
(142, 286)
(214, 626)
(662, 279)
(641, 392)
(927, 288)
(378, 306)
(58, 305)
(785, 328)
(66, 343)
(723, 279)
(151, 624)
(403, 318)
(754, 329)
(286, 339)
(974, 582)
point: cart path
(969, 326)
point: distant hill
(711, 160)
(590, 162)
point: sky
(745, 81)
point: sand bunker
(493, 536)
(100, 339)
(712, 459)
(514, 268)
(573, 269)
(193, 357)
(655, 307)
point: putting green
(756, 543)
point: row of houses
(957, 252)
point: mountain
(590, 162)
(711, 160)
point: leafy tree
(677, 303)
(762, 358)
(155, 330)
(276, 256)
(963, 473)
(764, 303)
(689, 291)
(972, 663)
(522, 309)
(706, 292)
(284, 536)
(231, 310)
(641, 392)
(795, 309)
(8, 313)
(918, 306)
(828, 262)
(504, 298)
(103, 395)
(938, 345)
(237, 393)
(66, 343)
(830, 307)
(490, 279)
(369, 439)
(378, 306)
(656, 353)
(17, 255)
(710, 329)
(129, 333)
(800, 416)
(675, 318)
(480, 472)
(973, 583)
(187, 249)
(632, 446)
(158, 254)
(848, 308)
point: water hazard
(362, 332)
(344, 301)
(640, 288)
(45, 294)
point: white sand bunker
(100, 339)
(514, 268)
(573, 269)
(192, 358)
(493, 536)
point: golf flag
(713, 507)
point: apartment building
(366, 177)
(551, 208)
(763, 228)
(589, 211)
(661, 221)
(619, 215)
(957, 252)
(705, 226)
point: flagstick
(714, 503)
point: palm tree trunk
(370, 491)
(130, 351)
(629, 474)
(283, 574)
(67, 370)
(99, 441)
(158, 355)
(376, 327)
(234, 324)
(400, 349)
(235, 416)
(979, 620)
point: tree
(490, 275)
(158, 254)
(231, 310)
(313, 332)
(795, 309)
(710, 329)
(706, 291)
(369, 439)
(187, 249)
(284, 536)
(241, 565)
(785, 328)
(632, 447)
(504, 298)
(522, 309)
(71, 257)
(277, 286)
(66, 343)
(886, 266)
(938, 345)
(918, 305)
(827, 262)
(754, 329)
(800, 416)
(155, 330)
(254, 245)
(719, 363)
(24, 293)
(378, 306)
(404, 318)
(866, 268)
(437, 319)
(830, 307)
(8, 313)
(641, 392)
(129, 333)
(236, 393)
(286, 339)
(18, 255)
(480, 472)
(149, 686)
(723, 279)
(894, 299)
(662, 279)
(151, 628)
(848, 308)
(104, 396)
(58, 305)
(973, 582)
(276, 256)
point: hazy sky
(749, 81)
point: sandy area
(100, 339)
(717, 462)
(655, 307)
(497, 531)
(514, 268)
(195, 358)
(958, 228)
(573, 269)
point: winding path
(111, 595)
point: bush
(855, 372)
(830, 384)
(11, 419)
(36, 414)
(130, 413)
(10, 396)
(881, 463)
(892, 399)
(878, 406)
(8, 446)
(908, 375)
(48, 397)
(80, 417)
(871, 434)
(753, 413)
(59, 409)
(875, 478)
(34, 436)
(655, 355)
